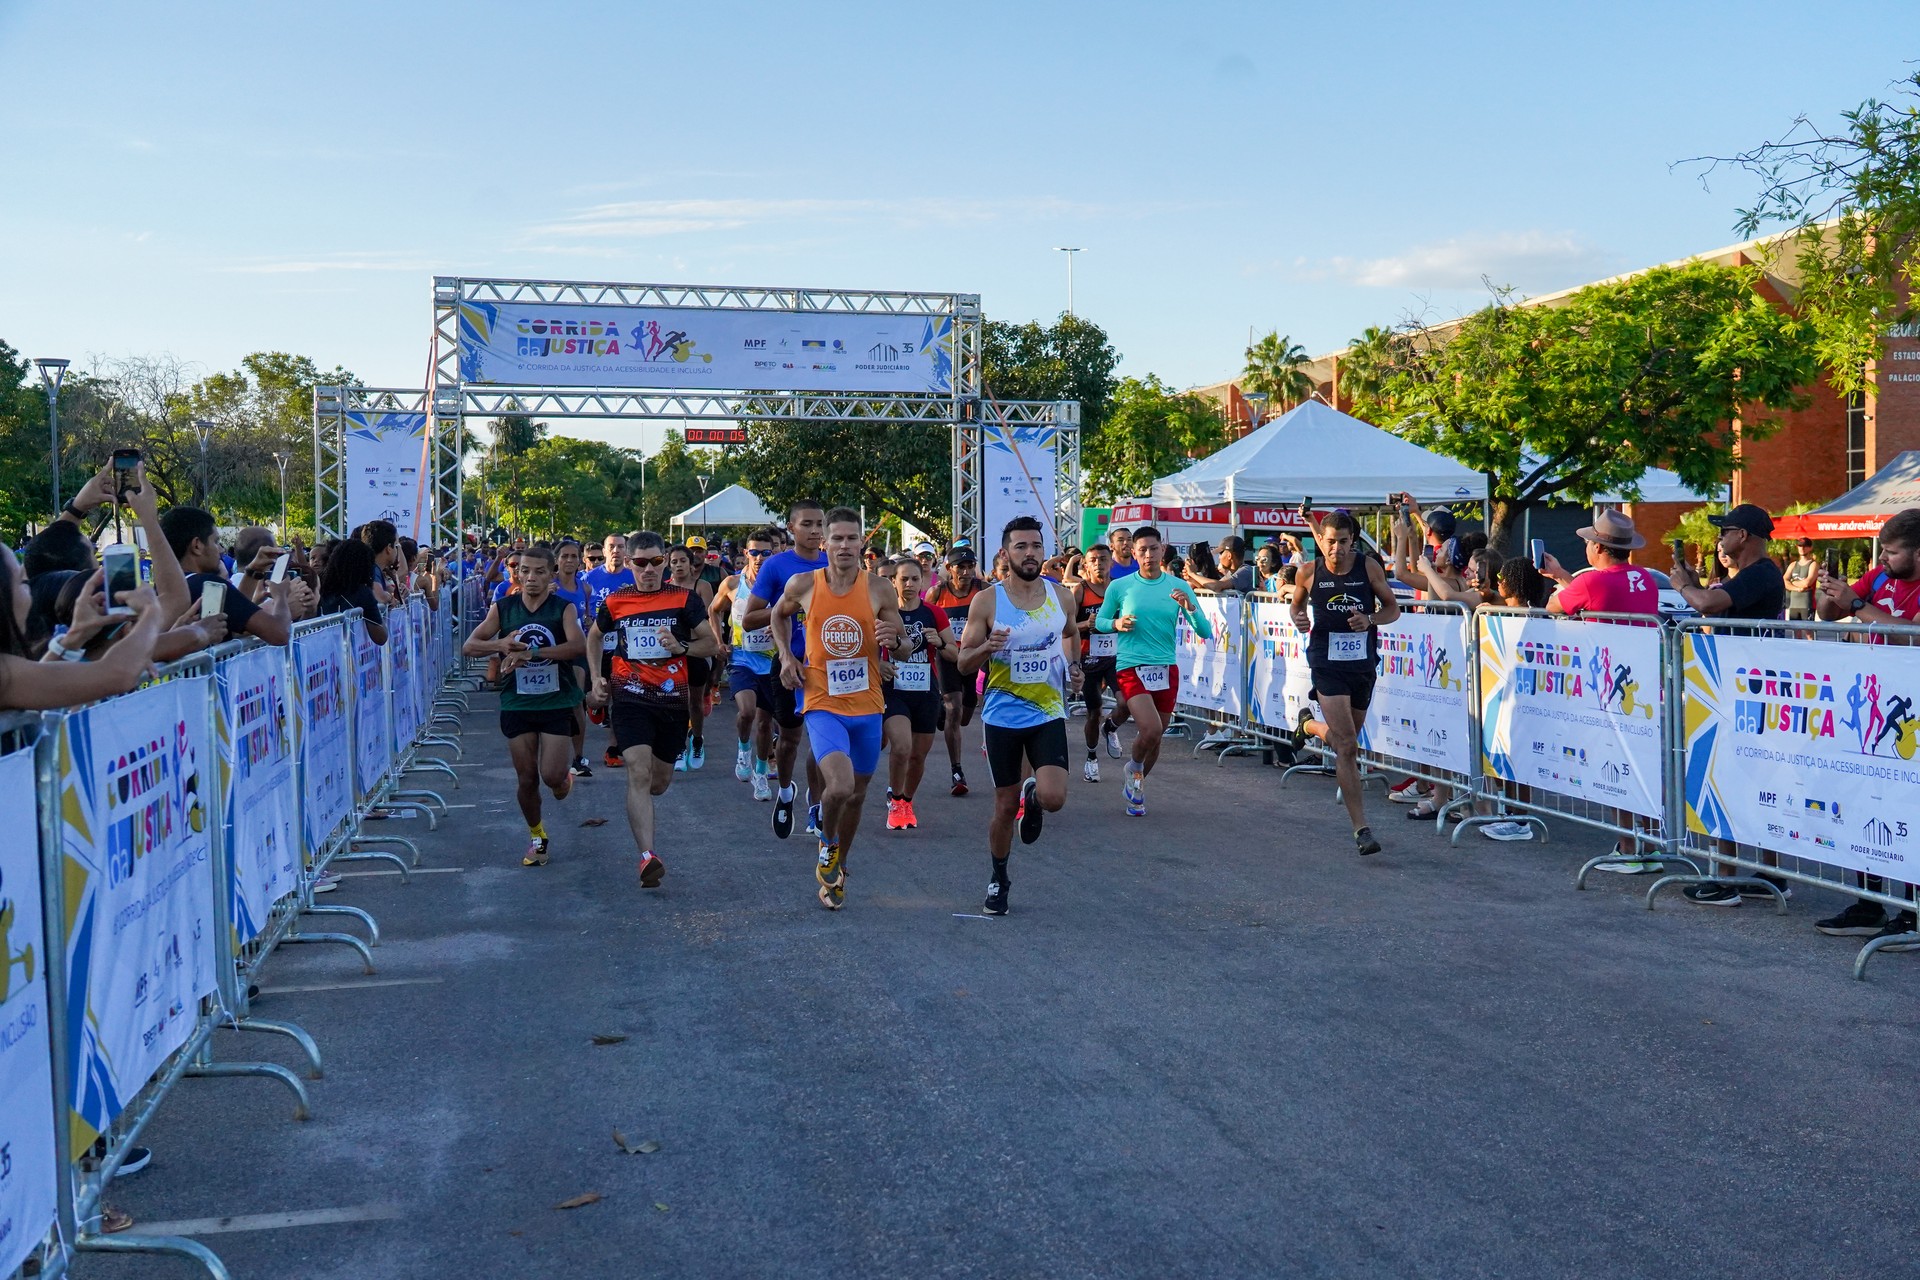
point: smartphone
(122, 565)
(279, 573)
(1833, 564)
(1306, 510)
(1679, 551)
(1538, 551)
(213, 598)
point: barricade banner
(403, 653)
(1573, 707)
(29, 1142)
(255, 729)
(135, 775)
(1210, 669)
(372, 750)
(1420, 711)
(1804, 748)
(1278, 683)
(326, 756)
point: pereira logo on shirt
(842, 636)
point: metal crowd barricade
(1788, 799)
(1559, 706)
(1423, 720)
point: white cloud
(1531, 261)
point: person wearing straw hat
(1612, 584)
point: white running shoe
(1092, 771)
(1112, 738)
(1507, 831)
(762, 787)
(1135, 793)
(743, 764)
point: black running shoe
(996, 904)
(1033, 815)
(783, 815)
(1859, 920)
(1363, 841)
(959, 783)
(1297, 739)
(581, 769)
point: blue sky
(212, 179)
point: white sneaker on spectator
(1507, 831)
(326, 882)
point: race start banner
(385, 463)
(1573, 707)
(1210, 669)
(1420, 711)
(372, 750)
(690, 348)
(1019, 480)
(29, 1144)
(135, 777)
(256, 766)
(326, 752)
(1280, 683)
(1805, 748)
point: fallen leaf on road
(584, 1198)
(604, 1037)
(594, 822)
(662, 1208)
(648, 1147)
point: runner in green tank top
(536, 634)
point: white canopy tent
(733, 505)
(1314, 451)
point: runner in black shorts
(655, 628)
(954, 595)
(1097, 659)
(1350, 599)
(683, 571)
(913, 704)
(535, 635)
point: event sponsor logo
(842, 636)
(755, 344)
(151, 789)
(1825, 842)
(659, 345)
(1416, 657)
(883, 351)
(539, 337)
(1775, 829)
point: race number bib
(913, 677)
(1031, 666)
(1102, 644)
(760, 641)
(1347, 646)
(643, 641)
(845, 676)
(537, 679)
(1152, 679)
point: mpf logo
(1770, 799)
(755, 344)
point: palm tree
(1276, 368)
(1370, 360)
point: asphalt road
(1212, 1042)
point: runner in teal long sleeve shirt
(1142, 609)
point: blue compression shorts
(855, 737)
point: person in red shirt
(1613, 585)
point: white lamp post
(53, 372)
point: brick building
(1816, 454)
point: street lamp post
(1069, 253)
(202, 429)
(53, 372)
(1256, 408)
(281, 458)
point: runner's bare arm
(892, 629)
(1070, 641)
(484, 641)
(703, 644)
(596, 677)
(574, 643)
(792, 601)
(1109, 608)
(1389, 604)
(976, 642)
(760, 609)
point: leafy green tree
(1150, 431)
(25, 493)
(561, 485)
(1368, 361)
(1072, 359)
(1276, 368)
(1581, 398)
(1852, 199)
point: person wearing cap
(925, 552)
(1613, 584)
(1235, 573)
(1800, 582)
(1757, 589)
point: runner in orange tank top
(850, 615)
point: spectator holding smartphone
(70, 681)
(1613, 583)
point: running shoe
(1031, 814)
(959, 783)
(1900, 926)
(581, 769)
(326, 882)
(743, 764)
(1091, 770)
(697, 755)
(913, 819)
(833, 897)
(1134, 791)
(536, 853)
(996, 904)
(1859, 920)
(1298, 738)
(1407, 792)
(652, 871)
(612, 759)
(827, 869)
(1712, 893)
(136, 1159)
(596, 715)
(813, 820)
(680, 763)
(762, 787)
(1111, 736)
(1508, 831)
(896, 815)
(1364, 842)
(782, 816)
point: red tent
(1861, 511)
